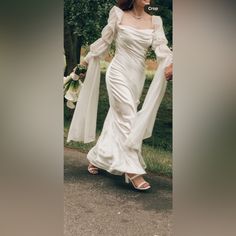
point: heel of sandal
(126, 179)
(139, 187)
(92, 169)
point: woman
(118, 149)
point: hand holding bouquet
(73, 83)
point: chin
(143, 3)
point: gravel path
(104, 205)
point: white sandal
(92, 169)
(139, 187)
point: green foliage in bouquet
(73, 84)
(80, 69)
(66, 85)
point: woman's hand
(169, 72)
(77, 73)
(84, 63)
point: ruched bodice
(118, 148)
(133, 43)
(129, 60)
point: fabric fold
(143, 123)
(83, 124)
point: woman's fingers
(84, 63)
(82, 75)
(74, 69)
(168, 75)
(168, 72)
(169, 78)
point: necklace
(135, 16)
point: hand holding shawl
(144, 121)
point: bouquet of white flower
(73, 84)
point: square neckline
(128, 26)
(131, 27)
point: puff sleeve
(159, 43)
(83, 124)
(101, 45)
(143, 123)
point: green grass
(157, 161)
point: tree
(165, 11)
(84, 20)
(83, 23)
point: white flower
(74, 76)
(71, 96)
(72, 87)
(66, 79)
(70, 104)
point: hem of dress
(115, 171)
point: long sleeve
(83, 124)
(159, 44)
(144, 122)
(101, 45)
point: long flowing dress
(118, 148)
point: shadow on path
(104, 204)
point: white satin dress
(118, 148)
